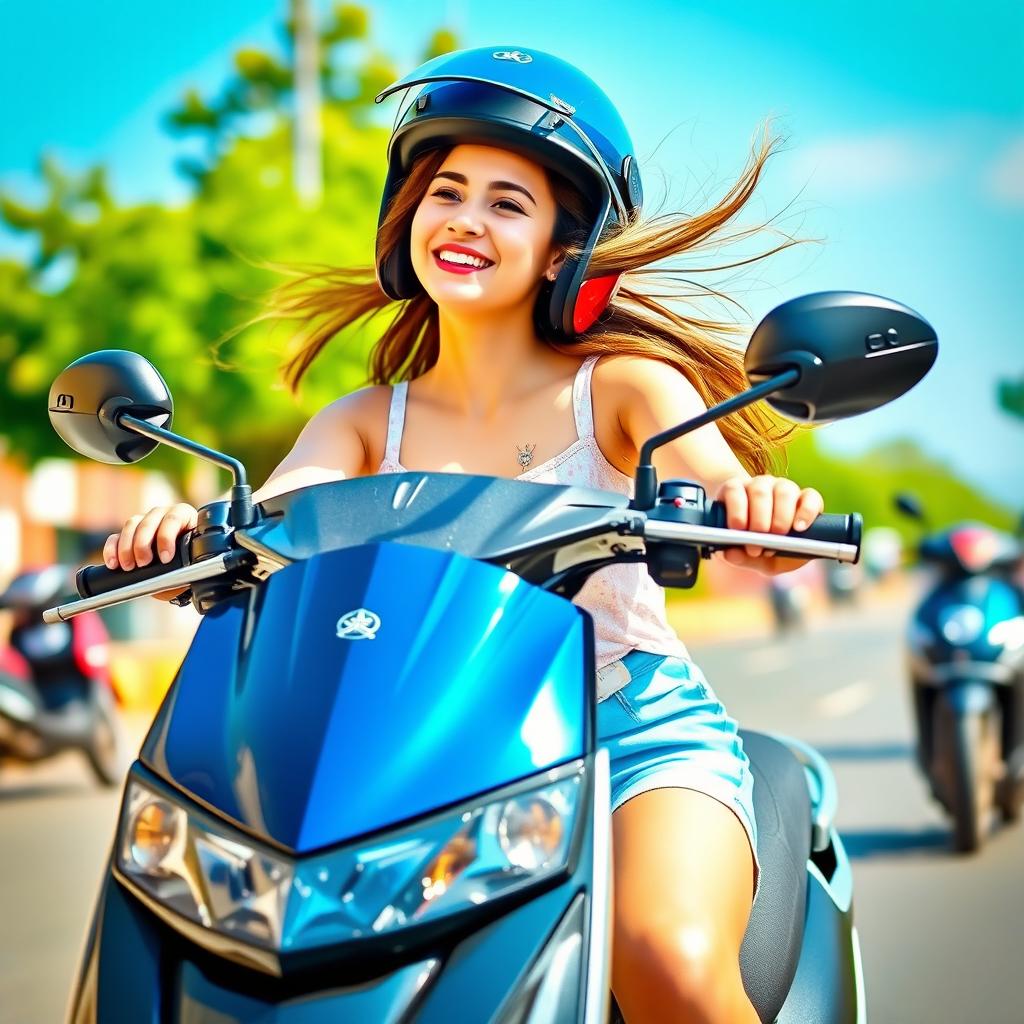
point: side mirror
(854, 352)
(909, 506)
(817, 358)
(88, 396)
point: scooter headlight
(198, 868)
(1008, 634)
(154, 830)
(531, 829)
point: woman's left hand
(767, 504)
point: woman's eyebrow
(504, 186)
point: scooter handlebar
(830, 527)
(92, 580)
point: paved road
(942, 937)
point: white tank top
(627, 606)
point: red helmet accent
(974, 546)
(593, 299)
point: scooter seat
(782, 807)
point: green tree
(1011, 397)
(169, 282)
(868, 484)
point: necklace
(526, 454)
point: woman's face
(499, 206)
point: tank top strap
(396, 422)
(582, 402)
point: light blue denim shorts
(666, 728)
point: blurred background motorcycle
(965, 652)
(55, 689)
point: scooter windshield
(367, 685)
(478, 516)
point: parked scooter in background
(55, 691)
(965, 648)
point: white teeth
(460, 257)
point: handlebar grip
(92, 580)
(832, 527)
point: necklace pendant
(526, 454)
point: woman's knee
(689, 967)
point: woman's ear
(554, 266)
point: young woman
(511, 249)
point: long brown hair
(323, 301)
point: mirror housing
(855, 352)
(87, 397)
(909, 506)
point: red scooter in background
(55, 690)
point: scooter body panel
(828, 987)
(471, 679)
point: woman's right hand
(133, 547)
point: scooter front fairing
(320, 727)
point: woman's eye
(447, 193)
(510, 204)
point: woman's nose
(464, 223)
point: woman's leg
(684, 883)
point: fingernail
(800, 524)
(166, 554)
(111, 562)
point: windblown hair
(324, 301)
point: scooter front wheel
(967, 755)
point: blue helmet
(551, 112)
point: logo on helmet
(517, 55)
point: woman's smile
(458, 259)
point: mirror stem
(241, 492)
(646, 485)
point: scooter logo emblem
(360, 624)
(517, 55)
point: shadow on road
(891, 751)
(40, 791)
(863, 844)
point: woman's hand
(767, 504)
(133, 546)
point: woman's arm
(637, 398)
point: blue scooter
(965, 650)
(373, 791)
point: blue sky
(905, 152)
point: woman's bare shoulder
(362, 414)
(634, 398)
(358, 410)
(340, 441)
(627, 379)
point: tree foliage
(868, 484)
(1011, 397)
(169, 282)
